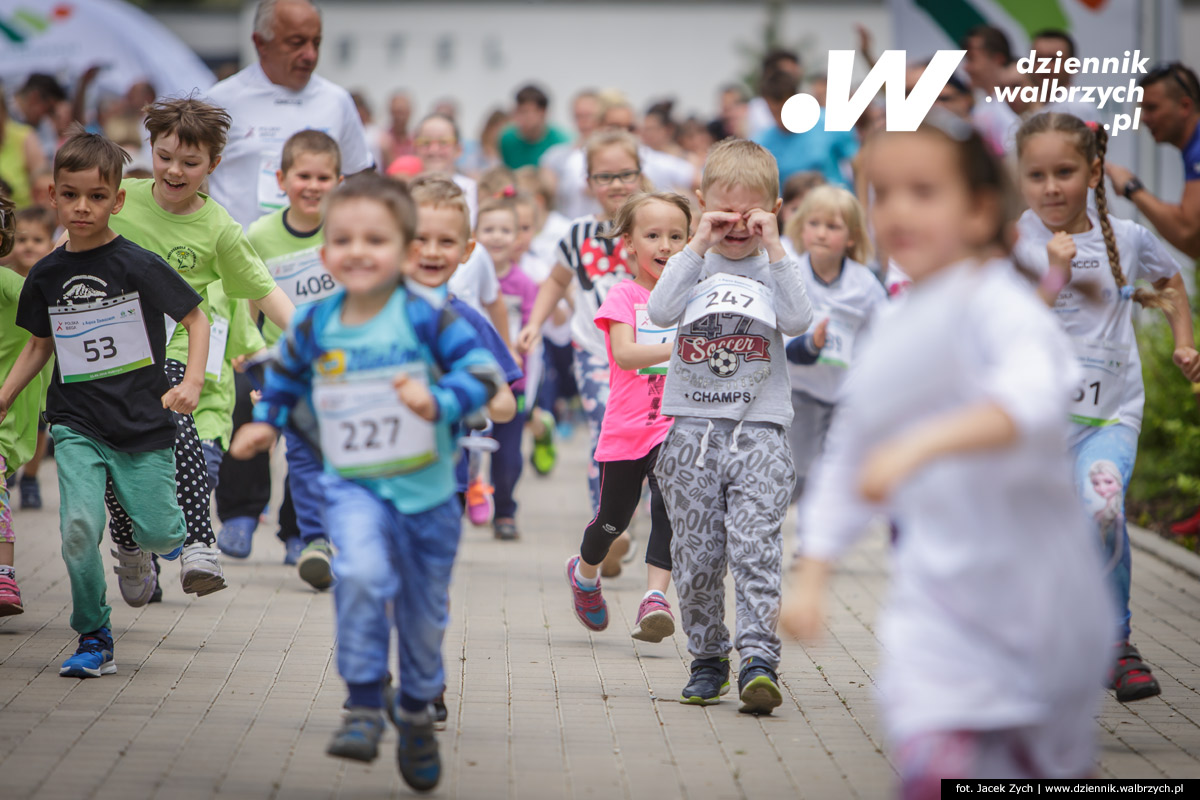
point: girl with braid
(1088, 262)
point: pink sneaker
(10, 597)
(654, 620)
(589, 605)
(479, 502)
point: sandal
(1131, 677)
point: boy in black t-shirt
(98, 305)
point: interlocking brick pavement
(236, 694)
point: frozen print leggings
(1103, 466)
(191, 478)
(591, 375)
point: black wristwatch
(1131, 186)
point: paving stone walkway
(235, 695)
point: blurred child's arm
(276, 306)
(1179, 316)
(470, 374)
(288, 377)
(503, 405)
(805, 350)
(184, 398)
(803, 612)
(29, 363)
(670, 295)
(498, 316)
(251, 439)
(981, 426)
(550, 292)
(630, 355)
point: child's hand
(1061, 250)
(182, 399)
(527, 338)
(255, 396)
(712, 228)
(1188, 361)
(251, 439)
(802, 615)
(819, 334)
(239, 362)
(416, 396)
(886, 467)
(764, 225)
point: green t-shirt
(515, 152)
(214, 414)
(294, 260)
(204, 246)
(18, 431)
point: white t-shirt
(475, 282)
(597, 264)
(988, 540)
(1109, 321)
(848, 303)
(471, 192)
(265, 115)
(996, 122)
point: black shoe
(758, 687)
(157, 596)
(1131, 676)
(439, 708)
(710, 680)
(31, 492)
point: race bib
(302, 276)
(730, 294)
(839, 339)
(1097, 399)
(646, 332)
(100, 339)
(366, 432)
(270, 196)
(218, 337)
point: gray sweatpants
(810, 423)
(727, 511)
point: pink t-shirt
(633, 421)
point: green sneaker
(544, 455)
(316, 564)
(758, 687)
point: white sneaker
(200, 570)
(135, 575)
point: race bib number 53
(100, 339)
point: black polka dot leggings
(191, 478)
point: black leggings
(191, 475)
(620, 492)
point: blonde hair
(498, 204)
(741, 162)
(838, 201)
(493, 181)
(626, 217)
(1092, 144)
(604, 139)
(436, 191)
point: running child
(954, 424)
(653, 227)
(97, 305)
(289, 241)
(590, 266)
(1089, 262)
(392, 493)
(831, 234)
(727, 388)
(496, 230)
(34, 240)
(170, 216)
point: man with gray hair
(274, 98)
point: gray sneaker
(135, 575)
(199, 570)
(359, 736)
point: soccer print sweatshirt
(729, 366)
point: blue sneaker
(359, 736)
(236, 536)
(292, 549)
(93, 657)
(417, 751)
(710, 680)
(758, 687)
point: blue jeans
(213, 456)
(381, 557)
(1103, 466)
(304, 479)
(591, 376)
(507, 464)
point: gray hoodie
(728, 366)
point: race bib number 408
(302, 276)
(100, 339)
(366, 432)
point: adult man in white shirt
(273, 99)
